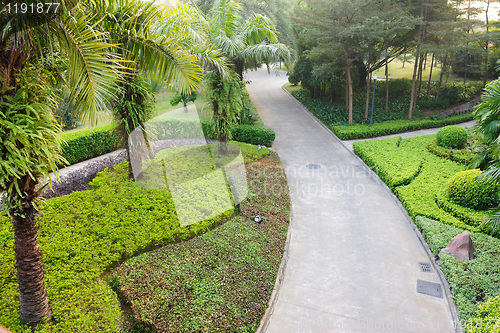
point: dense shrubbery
(472, 282)
(470, 216)
(449, 94)
(254, 135)
(462, 156)
(337, 114)
(467, 191)
(419, 196)
(393, 165)
(88, 143)
(452, 136)
(84, 233)
(394, 127)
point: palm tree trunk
(35, 306)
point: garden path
(351, 263)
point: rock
(460, 247)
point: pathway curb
(451, 305)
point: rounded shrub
(452, 136)
(467, 191)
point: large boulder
(460, 247)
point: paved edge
(274, 296)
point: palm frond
(93, 72)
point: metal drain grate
(313, 166)
(429, 288)
(425, 267)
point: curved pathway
(352, 256)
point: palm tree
(133, 25)
(245, 42)
(101, 58)
(28, 130)
(487, 126)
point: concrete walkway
(352, 259)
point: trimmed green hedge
(394, 127)
(394, 166)
(467, 191)
(452, 136)
(89, 143)
(462, 156)
(487, 317)
(468, 215)
(472, 282)
(419, 196)
(254, 135)
(84, 233)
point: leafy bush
(467, 191)
(222, 280)
(487, 317)
(472, 282)
(428, 102)
(460, 92)
(394, 166)
(254, 135)
(419, 196)
(470, 216)
(394, 127)
(462, 156)
(88, 143)
(452, 136)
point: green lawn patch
(84, 234)
(222, 280)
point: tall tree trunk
(35, 306)
(486, 46)
(412, 98)
(443, 66)
(404, 59)
(386, 79)
(420, 74)
(362, 71)
(430, 75)
(368, 85)
(239, 67)
(349, 80)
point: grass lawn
(86, 233)
(397, 71)
(419, 178)
(162, 106)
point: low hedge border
(393, 165)
(419, 196)
(89, 143)
(470, 216)
(394, 126)
(462, 156)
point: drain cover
(313, 166)
(425, 267)
(429, 288)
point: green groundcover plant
(84, 234)
(475, 284)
